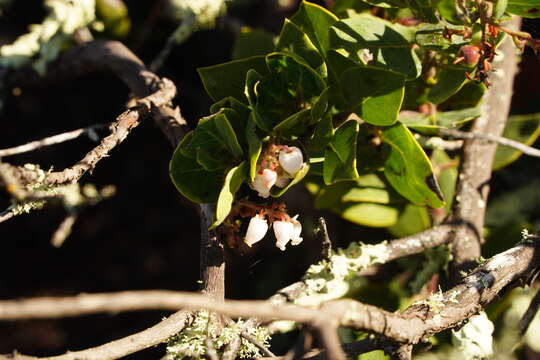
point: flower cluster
(277, 167)
(286, 229)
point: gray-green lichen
(44, 41)
(475, 339)
(205, 12)
(191, 341)
(331, 279)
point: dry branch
(414, 325)
(120, 129)
(48, 141)
(472, 188)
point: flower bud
(291, 160)
(263, 182)
(283, 230)
(257, 228)
(297, 230)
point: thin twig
(458, 134)
(529, 315)
(64, 230)
(6, 215)
(326, 242)
(119, 131)
(51, 140)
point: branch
(120, 129)
(51, 140)
(6, 215)
(414, 325)
(458, 134)
(472, 188)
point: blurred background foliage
(147, 237)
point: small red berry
(470, 54)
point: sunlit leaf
(408, 169)
(340, 156)
(232, 183)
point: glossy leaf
(192, 181)
(324, 131)
(446, 170)
(292, 121)
(232, 183)
(252, 42)
(412, 220)
(277, 192)
(408, 169)
(340, 156)
(228, 79)
(292, 39)
(431, 36)
(377, 93)
(319, 107)
(430, 124)
(390, 50)
(522, 128)
(370, 214)
(449, 81)
(524, 8)
(254, 146)
(423, 9)
(226, 132)
(315, 21)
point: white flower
(291, 160)
(263, 182)
(283, 230)
(282, 181)
(297, 230)
(257, 228)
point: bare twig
(472, 188)
(121, 347)
(119, 131)
(6, 215)
(326, 242)
(458, 134)
(529, 315)
(328, 332)
(64, 229)
(51, 140)
(414, 325)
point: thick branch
(477, 159)
(412, 326)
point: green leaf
(277, 192)
(524, 8)
(292, 121)
(319, 107)
(423, 9)
(230, 103)
(226, 132)
(228, 79)
(430, 124)
(391, 50)
(522, 128)
(340, 156)
(468, 96)
(254, 146)
(378, 93)
(500, 7)
(215, 134)
(412, 220)
(315, 21)
(431, 36)
(449, 82)
(192, 181)
(232, 183)
(446, 170)
(324, 131)
(370, 214)
(212, 160)
(292, 39)
(373, 195)
(408, 169)
(252, 42)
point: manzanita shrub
(343, 103)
